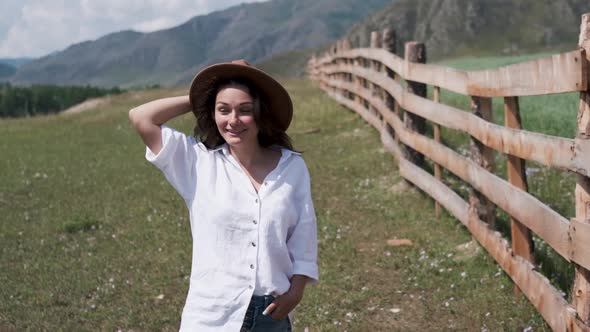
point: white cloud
(38, 27)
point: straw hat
(271, 91)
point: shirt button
(250, 286)
(256, 201)
(252, 266)
(253, 244)
(254, 222)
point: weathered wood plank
(552, 151)
(522, 242)
(551, 305)
(557, 73)
(437, 138)
(580, 233)
(546, 223)
(415, 53)
(546, 298)
(484, 156)
(581, 288)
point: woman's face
(234, 115)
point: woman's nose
(234, 118)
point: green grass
(93, 238)
(487, 62)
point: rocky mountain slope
(253, 31)
(453, 28)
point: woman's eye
(246, 110)
(222, 110)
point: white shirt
(244, 242)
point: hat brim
(278, 99)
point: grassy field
(93, 238)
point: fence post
(347, 77)
(484, 157)
(581, 291)
(388, 43)
(376, 66)
(335, 50)
(356, 81)
(522, 241)
(436, 132)
(415, 52)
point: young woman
(248, 194)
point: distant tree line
(19, 101)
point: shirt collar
(285, 152)
(223, 148)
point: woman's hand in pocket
(284, 304)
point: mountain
(6, 71)
(15, 62)
(289, 64)
(451, 28)
(253, 31)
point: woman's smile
(235, 132)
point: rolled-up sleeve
(302, 243)
(177, 160)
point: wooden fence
(390, 93)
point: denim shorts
(255, 321)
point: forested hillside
(18, 101)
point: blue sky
(33, 28)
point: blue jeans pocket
(268, 324)
(255, 321)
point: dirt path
(87, 105)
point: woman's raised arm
(148, 118)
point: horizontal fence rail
(389, 93)
(544, 149)
(559, 73)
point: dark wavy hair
(268, 129)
